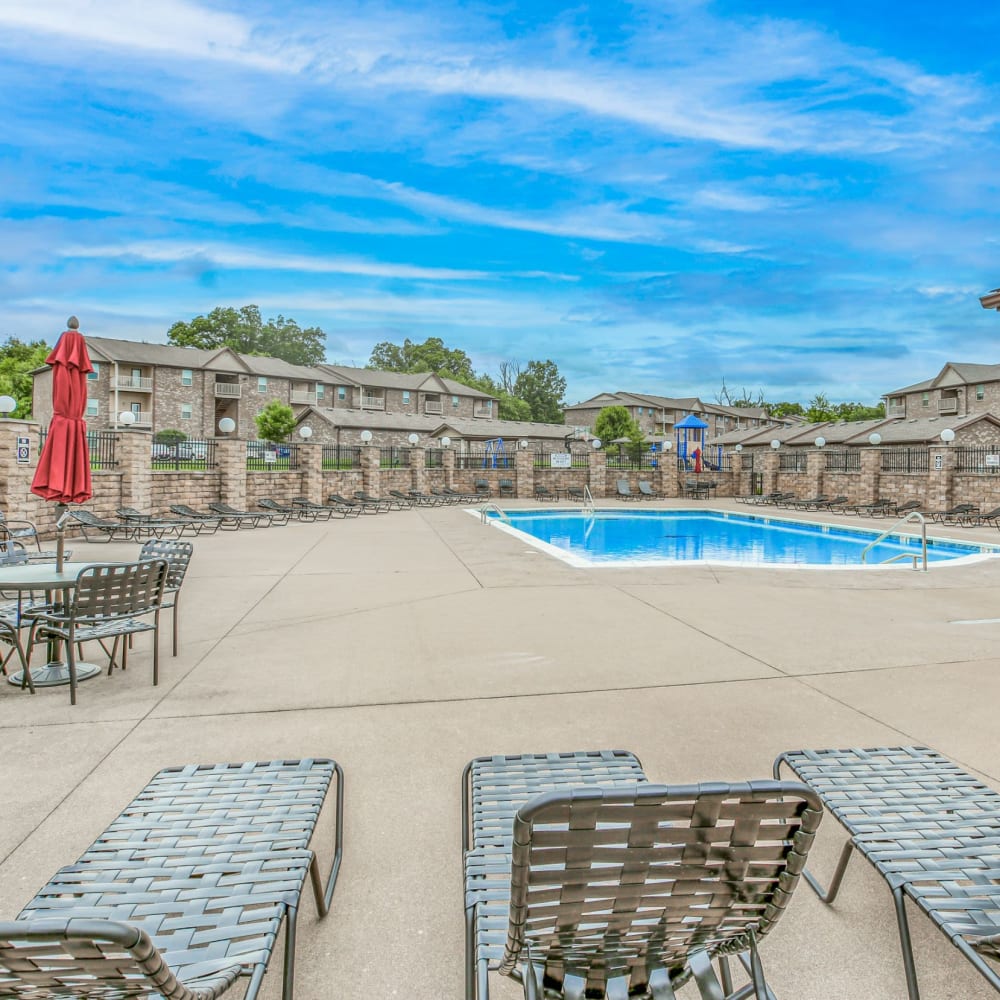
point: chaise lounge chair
(647, 491)
(282, 513)
(955, 514)
(96, 528)
(249, 518)
(576, 493)
(544, 493)
(157, 527)
(406, 501)
(990, 517)
(385, 503)
(593, 882)
(186, 890)
(209, 519)
(624, 491)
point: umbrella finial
(72, 323)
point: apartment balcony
(228, 390)
(303, 397)
(482, 410)
(948, 404)
(896, 410)
(133, 383)
(373, 402)
(143, 418)
(433, 407)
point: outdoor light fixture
(947, 435)
(305, 433)
(522, 444)
(667, 445)
(596, 443)
(8, 404)
(874, 438)
(413, 438)
(366, 437)
(445, 442)
(227, 425)
(819, 442)
(126, 417)
(738, 448)
(775, 444)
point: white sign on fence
(270, 456)
(993, 460)
(561, 460)
(23, 450)
(938, 463)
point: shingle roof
(968, 372)
(427, 381)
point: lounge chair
(282, 513)
(403, 498)
(929, 828)
(424, 499)
(482, 488)
(955, 514)
(156, 527)
(776, 499)
(544, 493)
(624, 490)
(209, 519)
(353, 505)
(576, 493)
(249, 518)
(835, 504)
(444, 497)
(506, 488)
(460, 497)
(989, 518)
(805, 504)
(697, 490)
(96, 528)
(874, 509)
(894, 510)
(587, 878)
(385, 503)
(647, 491)
(759, 498)
(186, 890)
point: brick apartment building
(958, 390)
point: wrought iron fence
(100, 444)
(984, 459)
(393, 457)
(266, 456)
(642, 460)
(906, 460)
(484, 460)
(792, 461)
(191, 454)
(434, 458)
(847, 460)
(341, 456)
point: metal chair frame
(178, 557)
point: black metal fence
(846, 460)
(434, 458)
(642, 460)
(100, 444)
(267, 457)
(484, 460)
(393, 457)
(341, 456)
(906, 460)
(792, 461)
(984, 459)
(191, 454)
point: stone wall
(196, 489)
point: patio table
(38, 576)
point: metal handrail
(588, 501)
(914, 515)
(487, 507)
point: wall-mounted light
(775, 444)
(874, 438)
(947, 435)
(522, 444)
(305, 432)
(8, 404)
(820, 442)
(413, 439)
(366, 437)
(227, 425)
(446, 442)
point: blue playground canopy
(683, 428)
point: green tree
(820, 409)
(169, 436)
(614, 422)
(18, 359)
(542, 387)
(430, 356)
(859, 411)
(785, 409)
(244, 331)
(275, 422)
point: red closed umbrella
(63, 472)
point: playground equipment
(495, 456)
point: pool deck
(404, 644)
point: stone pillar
(815, 472)
(311, 468)
(871, 475)
(16, 498)
(524, 473)
(418, 469)
(448, 461)
(669, 485)
(231, 456)
(371, 471)
(598, 473)
(769, 463)
(133, 453)
(940, 478)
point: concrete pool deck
(404, 644)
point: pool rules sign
(23, 450)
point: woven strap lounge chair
(184, 893)
(243, 517)
(96, 528)
(624, 491)
(280, 513)
(482, 488)
(647, 491)
(406, 501)
(506, 487)
(930, 829)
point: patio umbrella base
(56, 673)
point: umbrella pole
(61, 512)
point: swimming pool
(658, 537)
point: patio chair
(185, 892)
(459, 495)
(177, 556)
(953, 514)
(370, 506)
(900, 510)
(25, 534)
(929, 828)
(834, 504)
(576, 493)
(244, 518)
(646, 490)
(990, 517)
(697, 490)
(109, 602)
(96, 528)
(154, 527)
(805, 504)
(624, 490)
(282, 513)
(544, 493)
(506, 488)
(424, 499)
(406, 501)
(10, 635)
(482, 488)
(212, 522)
(444, 496)
(385, 503)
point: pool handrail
(490, 505)
(914, 515)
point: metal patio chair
(25, 534)
(647, 491)
(10, 635)
(323, 511)
(283, 512)
(178, 557)
(624, 491)
(108, 603)
(101, 527)
(185, 892)
(251, 518)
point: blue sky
(796, 197)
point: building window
(261, 383)
(406, 398)
(925, 399)
(319, 391)
(92, 408)
(186, 411)
(96, 373)
(980, 392)
(341, 392)
(187, 378)
(454, 402)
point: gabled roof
(690, 403)
(970, 374)
(414, 381)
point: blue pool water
(610, 537)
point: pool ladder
(912, 516)
(588, 501)
(487, 507)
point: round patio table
(43, 576)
